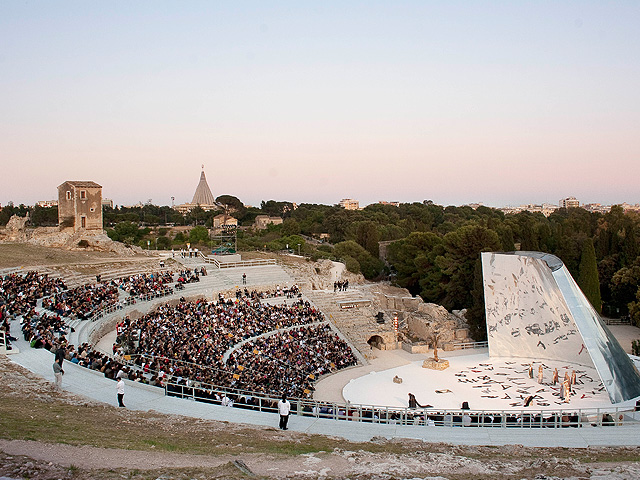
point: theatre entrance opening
(376, 341)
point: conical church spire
(203, 195)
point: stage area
(485, 383)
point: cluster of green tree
(601, 252)
(38, 216)
(434, 251)
(144, 215)
(158, 238)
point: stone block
(431, 364)
(415, 347)
(462, 333)
(411, 303)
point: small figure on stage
(555, 376)
(531, 370)
(540, 374)
(573, 377)
(566, 390)
(567, 379)
(413, 403)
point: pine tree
(476, 317)
(588, 279)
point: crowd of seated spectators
(288, 292)
(290, 361)
(436, 418)
(81, 302)
(191, 276)
(42, 330)
(199, 333)
(19, 293)
(145, 283)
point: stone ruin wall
(16, 230)
(419, 320)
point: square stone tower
(80, 206)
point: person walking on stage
(284, 407)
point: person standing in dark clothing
(60, 353)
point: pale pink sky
(457, 102)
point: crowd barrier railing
(524, 418)
(467, 345)
(241, 264)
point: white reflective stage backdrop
(535, 309)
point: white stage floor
(486, 383)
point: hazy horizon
(500, 103)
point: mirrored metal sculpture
(535, 310)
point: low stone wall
(415, 347)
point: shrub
(164, 243)
(352, 264)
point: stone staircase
(5, 348)
(358, 324)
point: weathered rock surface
(16, 231)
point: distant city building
(136, 205)
(47, 203)
(569, 202)
(261, 221)
(393, 204)
(546, 209)
(80, 205)
(630, 208)
(597, 208)
(350, 204)
(202, 198)
(107, 202)
(474, 205)
(224, 220)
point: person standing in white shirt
(284, 407)
(120, 389)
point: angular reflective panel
(535, 310)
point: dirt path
(336, 271)
(87, 457)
